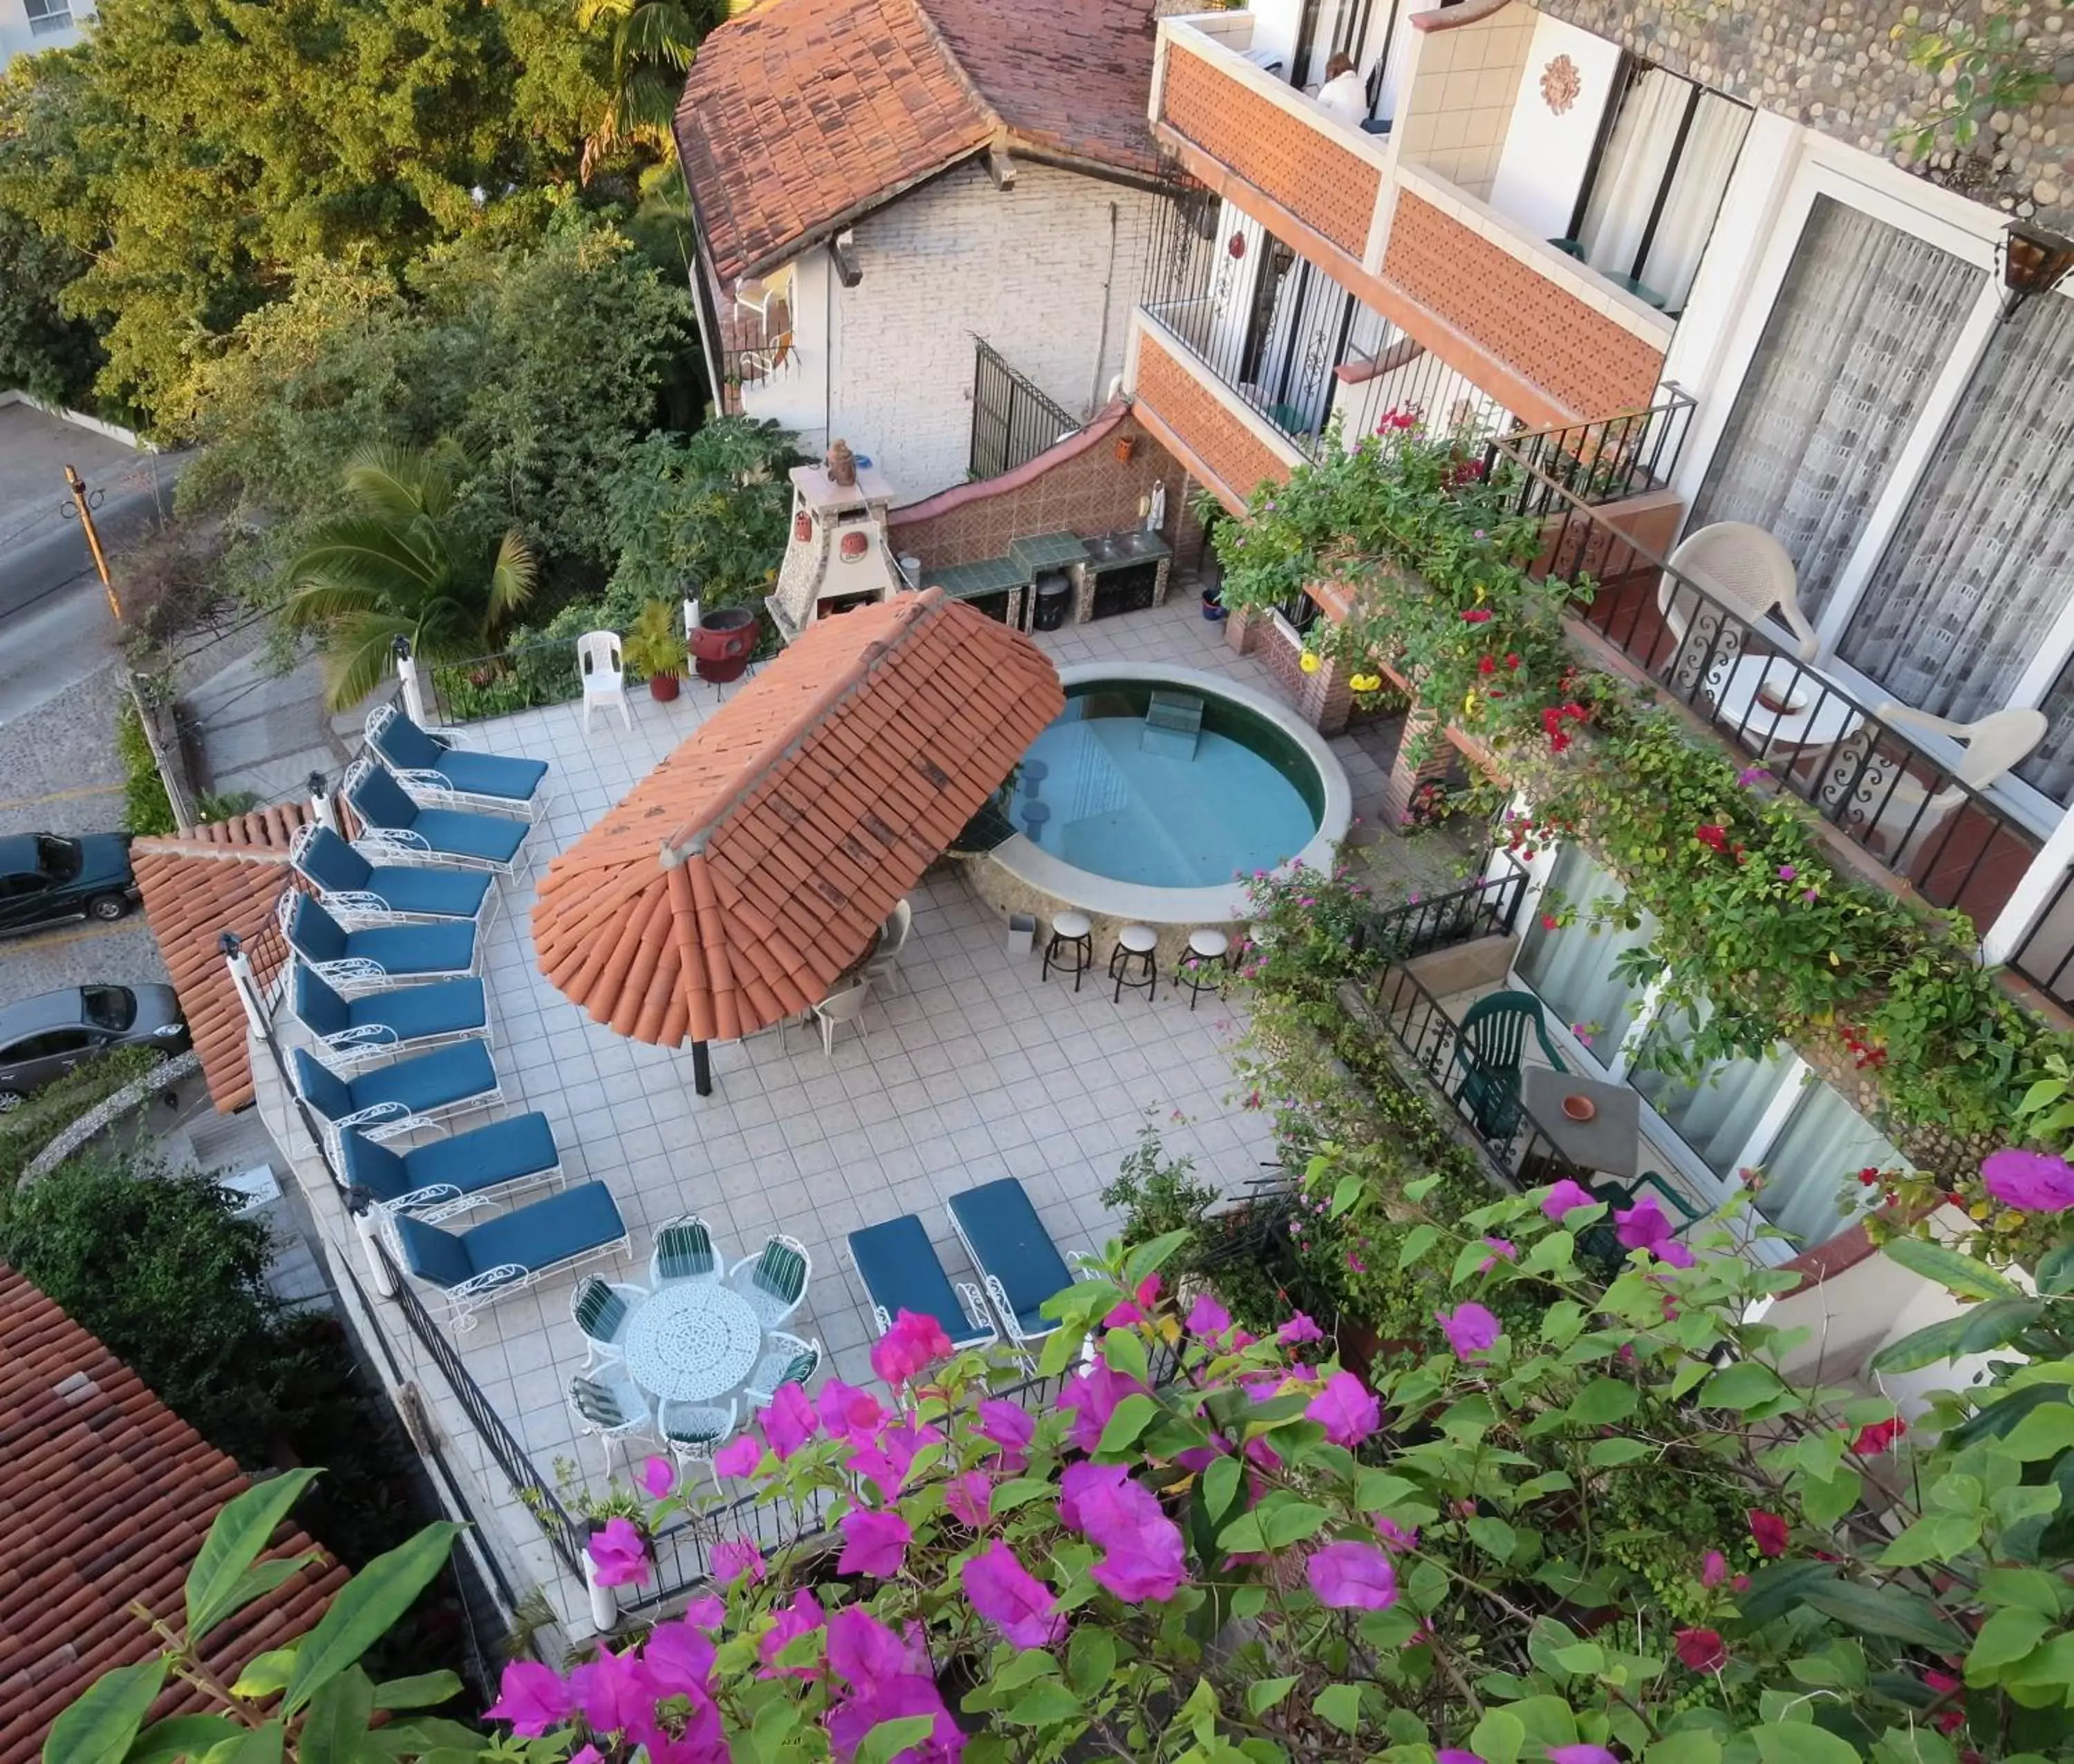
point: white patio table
(693, 1341)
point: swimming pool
(1125, 817)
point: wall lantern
(2033, 261)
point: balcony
(1210, 425)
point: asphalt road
(50, 645)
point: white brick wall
(1027, 269)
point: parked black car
(43, 1038)
(46, 880)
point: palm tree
(653, 42)
(398, 565)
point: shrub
(146, 808)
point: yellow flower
(1365, 683)
(1469, 706)
(1309, 662)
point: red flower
(1942, 1682)
(1702, 1650)
(1710, 835)
(1549, 922)
(1949, 1721)
(1870, 1176)
(1558, 741)
(1511, 660)
(1477, 615)
(1486, 665)
(1878, 1436)
(1770, 1532)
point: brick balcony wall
(1837, 69)
(1297, 164)
(1167, 388)
(1581, 358)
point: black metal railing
(771, 361)
(1488, 907)
(1627, 454)
(1013, 421)
(1398, 376)
(1747, 680)
(1279, 361)
(1299, 611)
(1519, 1150)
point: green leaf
(1283, 1526)
(1340, 1705)
(335, 1727)
(2056, 1271)
(2033, 1589)
(1221, 1483)
(1042, 1704)
(1263, 1694)
(215, 1585)
(1124, 1350)
(1090, 1659)
(1690, 1747)
(1825, 1502)
(1377, 1491)
(1952, 1268)
(267, 1676)
(1936, 1538)
(262, 1745)
(422, 1693)
(1998, 1323)
(1129, 1418)
(1561, 1322)
(366, 1608)
(180, 1735)
(1147, 1258)
(2044, 1433)
(888, 1740)
(1929, 1345)
(423, 1737)
(1497, 1736)
(1417, 1242)
(1242, 1536)
(1776, 1587)
(1741, 1386)
(1886, 1610)
(101, 1725)
(1603, 1401)
(1605, 1453)
(1493, 1537)
(1345, 1192)
(1801, 1742)
(2005, 1637)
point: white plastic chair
(1993, 745)
(604, 675)
(1750, 573)
(841, 1007)
(892, 940)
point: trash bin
(1054, 590)
(1021, 933)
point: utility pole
(83, 504)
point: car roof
(63, 1010)
(18, 853)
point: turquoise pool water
(1116, 797)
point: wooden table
(1611, 1141)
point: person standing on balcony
(1344, 92)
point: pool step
(1173, 723)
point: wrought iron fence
(1485, 908)
(1299, 612)
(777, 360)
(1278, 356)
(1600, 462)
(1013, 421)
(1803, 732)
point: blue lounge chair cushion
(432, 1255)
(332, 865)
(410, 748)
(404, 745)
(447, 1007)
(901, 1272)
(438, 1079)
(317, 1005)
(1009, 1243)
(491, 837)
(314, 933)
(378, 800)
(556, 1229)
(447, 948)
(322, 1090)
(376, 1168)
(336, 868)
(501, 1151)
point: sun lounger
(899, 1271)
(364, 1028)
(375, 955)
(435, 770)
(398, 1099)
(357, 892)
(1018, 1262)
(395, 830)
(450, 1175)
(505, 1254)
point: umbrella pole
(701, 1070)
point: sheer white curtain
(1824, 1144)
(1705, 165)
(1984, 560)
(1867, 317)
(1716, 1116)
(1571, 970)
(1637, 155)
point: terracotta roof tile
(730, 888)
(802, 115)
(105, 1496)
(198, 883)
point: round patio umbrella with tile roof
(731, 887)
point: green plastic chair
(1487, 1052)
(1599, 1247)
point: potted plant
(724, 642)
(654, 648)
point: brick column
(1404, 778)
(1242, 633)
(1328, 701)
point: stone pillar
(1405, 776)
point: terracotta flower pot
(724, 642)
(663, 688)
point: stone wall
(1835, 66)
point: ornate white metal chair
(604, 672)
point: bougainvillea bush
(1208, 1547)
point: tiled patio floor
(968, 1069)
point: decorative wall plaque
(1560, 84)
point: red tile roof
(197, 884)
(105, 1496)
(803, 115)
(734, 883)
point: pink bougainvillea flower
(1010, 1426)
(1713, 1568)
(1478, 615)
(1565, 1196)
(2029, 1181)
(1701, 1651)
(1012, 1598)
(1351, 1577)
(614, 1691)
(1643, 1226)
(1581, 1754)
(864, 1650)
(532, 1698)
(1769, 1530)
(1876, 1436)
(1344, 1408)
(1298, 1330)
(1470, 1329)
(789, 1622)
(848, 1413)
(586, 1754)
(873, 1543)
(1942, 1682)
(1150, 1567)
(1206, 1317)
(1502, 1250)
(679, 1657)
(1101, 1501)
(619, 1554)
(969, 1498)
(850, 1720)
(1395, 1536)
(739, 1457)
(1453, 1754)
(1138, 1307)
(732, 1560)
(657, 1476)
(1091, 1397)
(902, 1353)
(889, 1462)
(789, 1421)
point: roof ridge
(966, 83)
(909, 614)
(189, 845)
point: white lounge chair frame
(434, 789)
(353, 976)
(403, 845)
